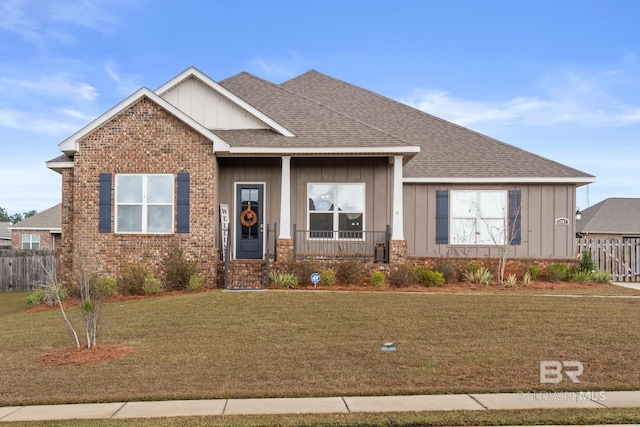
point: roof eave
(579, 181)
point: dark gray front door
(249, 220)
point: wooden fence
(24, 270)
(619, 257)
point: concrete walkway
(317, 405)
(630, 285)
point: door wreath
(248, 217)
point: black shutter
(183, 202)
(515, 215)
(104, 212)
(442, 216)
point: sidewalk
(451, 402)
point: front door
(249, 221)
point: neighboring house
(5, 235)
(613, 218)
(40, 231)
(334, 165)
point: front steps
(244, 274)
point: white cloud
(566, 97)
(58, 85)
(126, 83)
(43, 21)
(280, 68)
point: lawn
(296, 343)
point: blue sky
(557, 78)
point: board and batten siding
(267, 170)
(375, 173)
(209, 108)
(541, 236)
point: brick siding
(141, 139)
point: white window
(336, 211)
(478, 217)
(30, 241)
(144, 204)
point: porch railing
(365, 245)
(270, 250)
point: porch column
(285, 199)
(397, 227)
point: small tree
(92, 290)
(52, 287)
(503, 237)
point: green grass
(295, 344)
(408, 419)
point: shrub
(195, 282)
(178, 270)
(428, 277)
(586, 262)
(448, 269)
(527, 279)
(378, 279)
(558, 271)
(132, 279)
(401, 276)
(328, 277)
(582, 276)
(152, 286)
(348, 271)
(534, 272)
(302, 269)
(473, 267)
(36, 298)
(511, 281)
(103, 287)
(482, 276)
(601, 276)
(284, 280)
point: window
(30, 241)
(336, 211)
(478, 217)
(144, 204)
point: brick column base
(284, 250)
(397, 251)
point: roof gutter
(501, 180)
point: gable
(209, 108)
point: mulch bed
(84, 356)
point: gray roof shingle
(46, 220)
(611, 216)
(447, 150)
(314, 125)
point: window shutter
(515, 216)
(183, 202)
(442, 216)
(104, 221)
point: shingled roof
(611, 216)
(314, 125)
(448, 151)
(50, 219)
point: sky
(558, 78)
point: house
(40, 231)
(612, 218)
(5, 235)
(338, 168)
